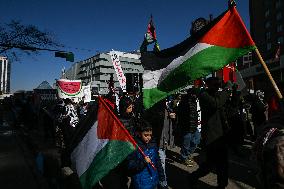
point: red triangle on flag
(110, 127)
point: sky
(87, 27)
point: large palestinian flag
(100, 145)
(220, 42)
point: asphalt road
(242, 171)
(17, 168)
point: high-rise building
(267, 25)
(267, 31)
(5, 69)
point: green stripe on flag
(107, 159)
(151, 96)
(201, 64)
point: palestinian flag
(100, 145)
(150, 36)
(220, 42)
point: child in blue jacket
(144, 176)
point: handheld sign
(119, 72)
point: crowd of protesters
(227, 118)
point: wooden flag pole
(268, 74)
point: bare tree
(16, 38)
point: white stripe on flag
(83, 155)
(151, 78)
(178, 61)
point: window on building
(267, 12)
(102, 59)
(268, 35)
(280, 40)
(268, 46)
(280, 28)
(250, 58)
(278, 4)
(279, 16)
(267, 3)
(267, 24)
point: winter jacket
(258, 109)
(214, 121)
(143, 175)
(187, 114)
(155, 116)
(129, 123)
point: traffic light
(69, 56)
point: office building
(267, 31)
(98, 70)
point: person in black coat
(213, 132)
(187, 116)
(126, 114)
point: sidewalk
(242, 171)
(49, 156)
(17, 165)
